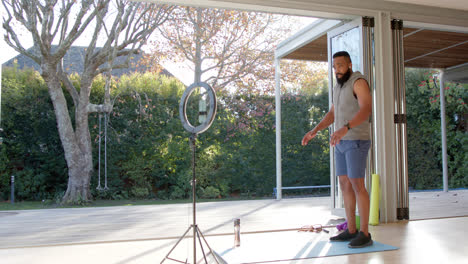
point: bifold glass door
(354, 37)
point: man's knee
(358, 184)
(345, 184)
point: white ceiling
(445, 12)
(454, 4)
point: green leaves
(149, 154)
(31, 141)
(148, 151)
(424, 131)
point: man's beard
(343, 79)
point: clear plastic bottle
(236, 232)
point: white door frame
(335, 193)
(383, 122)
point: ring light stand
(197, 234)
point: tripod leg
(180, 239)
(211, 250)
(201, 245)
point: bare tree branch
(220, 43)
(80, 26)
(14, 10)
(68, 85)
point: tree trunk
(76, 144)
(78, 190)
(198, 55)
(81, 169)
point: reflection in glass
(198, 106)
(349, 41)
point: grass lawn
(26, 205)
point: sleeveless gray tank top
(346, 107)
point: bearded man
(350, 111)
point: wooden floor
(438, 204)
(145, 234)
(425, 241)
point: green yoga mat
(283, 246)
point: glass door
(354, 37)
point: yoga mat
(374, 201)
(283, 246)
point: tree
(124, 26)
(304, 77)
(227, 49)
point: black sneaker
(360, 241)
(344, 236)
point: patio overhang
(424, 47)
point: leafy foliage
(31, 148)
(149, 153)
(424, 131)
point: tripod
(197, 234)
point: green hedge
(149, 153)
(424, 131)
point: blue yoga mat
(257, 248)
(341, 248)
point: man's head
(343, 66)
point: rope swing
(99, 187)
(105, 107)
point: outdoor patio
(145, 234)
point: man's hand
(308, 136)
(337, 136)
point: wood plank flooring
(144, 234)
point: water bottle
(236, 232)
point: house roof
(74, 59)
(424, 48)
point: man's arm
(326, 122)
(362, 91)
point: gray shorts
(351, 157)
